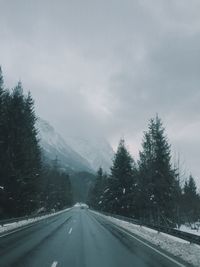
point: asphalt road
(78, 238)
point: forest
(27, 184)
(151, 189)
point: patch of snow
(188, 229)
(15, 225)
(106, 190)
(150, 230)
(152, 197)
(175, 238)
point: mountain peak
(73, 152)
(54, 146)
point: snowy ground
(15, 225)
(176, 246)
(188, 229)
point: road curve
(78, 238)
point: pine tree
(64, 192)
(190, 201)
(5, 160)
(119, 195)
(1, 124)
(23, 154)
(2, 193)
(14, 180)
(95, 196)
(158, 177)
(145, 179)
(31, 157)
(22, 188)
(55, 188)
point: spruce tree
(22, 188)
(1, 125)
(191, 210)
(145, 178)
(2, 193)
(1, 122)
(31, 157)
(14, 178)
(23, 154)
(64, 192)
(158, 178)
(54, 188)
(119, 194)
(95, 196)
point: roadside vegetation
(27, 184)
(151, 188)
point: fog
(106, 67)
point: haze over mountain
(96, 150)
(74, 154)
(54, 146)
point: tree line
(26, 184)
(150, 189)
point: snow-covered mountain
(96, 150)
(75, 153)
(54, 146)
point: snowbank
(15, 225)
(178, 247)
(188, 229)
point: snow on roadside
(15, 225)
(178, 247)
(187, 229)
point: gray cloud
(108, 66)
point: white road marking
(70, 231)
(147, 245)
(54, 264)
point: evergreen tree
(191, 201)
(65, 195)
(1, 79)
(14, 180)
(22, 187)
(2, 195)
(31, 157)
(95, 196)
(158, 179)
(145, 179)
(55, 188)
(177, 200)
(1, 124)
(5, 164)
(23, 154)
(119, 195)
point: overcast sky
(109, 66)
